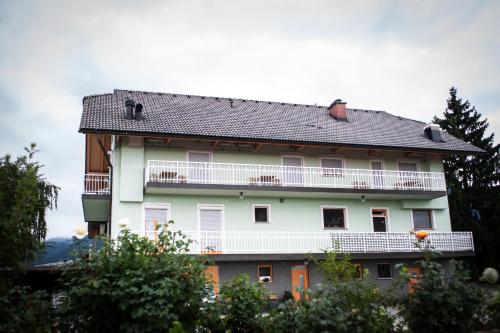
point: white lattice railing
(250, 242)
(276, 175)
(96, 183)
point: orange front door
(300, 280)
(415, 272)
(212, 275)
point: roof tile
(176, 114)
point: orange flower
(422, 234)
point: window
(407, 166)
(384, 271)
(155, 220)
(334, 218)
(262, 213)
(379, 220)
(422, 219)
(330, 166)
(265, 273)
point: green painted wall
(132, 169)
(295, 214)
(353, 160)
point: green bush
(133, 284)
(337, 268)
(240, 307)
(282, 319)
(493, 311)
(345, 303)
(354, 306)
(439, 302)
(22, 310)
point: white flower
(80, 230)
(124, 223)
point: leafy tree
(133, 284)
(335, 268)
(473, 181)
(25, 196)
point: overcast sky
(398, 56)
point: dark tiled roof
(230, 118)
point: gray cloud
(397, 56)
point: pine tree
(473, 180)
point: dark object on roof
(129, 105)
(177, 115)
(433, 132)
(138, 112)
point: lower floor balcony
(246, 242)
(96, 197)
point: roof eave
(356, 146)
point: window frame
(391, 270)
(154, 205)
(346, 217)
(332, 157)
(293, 155)
(387, 218)
(209, 152)
(380, 160)
(267, 206)
(431, 215)
(415, 161)
(270, 271)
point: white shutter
(292, 161)
(407, 166)
(156, 214)
(198, 157)
(331, 163)
(210, 220)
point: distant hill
(59, 249)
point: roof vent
(433, 132)
(338, 110)
(138, 112)
(129, 104)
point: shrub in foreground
(239, 309)
(439, 302)
(345, 303)
(133, 284)
(22, 310)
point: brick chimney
(337, 110)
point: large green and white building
(261, 185)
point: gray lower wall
(282, 272)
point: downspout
(106, 156)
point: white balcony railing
(96, 183)
(276, 175)
(248, 242)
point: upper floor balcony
(258, 180)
